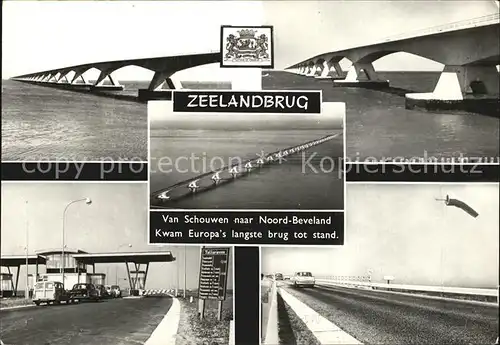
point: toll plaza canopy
(137, 258)
(137, 278)
(18, 260)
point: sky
(113, 30)
(401, 231)
(116, 218)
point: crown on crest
(247, 33)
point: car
(85, 292)
(109, 291)
(303, 279)
(278, 276)
(103, 293)
(116, 292)
(50, 292)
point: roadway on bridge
(121, 321)
(389, 318)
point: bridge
(468, 49)
(163, 68)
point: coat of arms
(249, 46)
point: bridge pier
(332, 70)
(99, 83)
(356, 71)
(156, 89)
(468, 88)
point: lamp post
(116, 268)
(185, 265)
(88, 201)
(27, 290)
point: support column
(319, 67)
(156, 91)
(136, 274)
(311, 70)
(11, 280)
(356, 71)
(78, 74)
(325, 73)
(146, 275)
(469, 88)
(159, 80)
(336, 70)
(128, 274)
(99, 83)
(17, 280)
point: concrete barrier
(272, 337)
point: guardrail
(462, 24)
(423, 288)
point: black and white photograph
(76, 269)
(79, 92)
(419, 78)
(247, 46)
(419, 266)
(246, 161)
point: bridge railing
(364, 282)
(462, 24)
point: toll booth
(13, 265)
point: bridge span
(163, 68)
(469, 50)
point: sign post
(212, 285)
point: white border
(247, 91)
(344, 141)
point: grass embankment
(14, 302)
(208, 331)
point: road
(390, 318)
(114, 322)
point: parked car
(304, 279)
(278, 276)
(103, 293)
(116, 292)
(109, 291)
(50, 292)
(85, 291)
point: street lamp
(88, 201)
(27, 289)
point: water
(43, 123)
(311, 180)
(378, 125)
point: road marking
(166, 332)
(325, 331)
